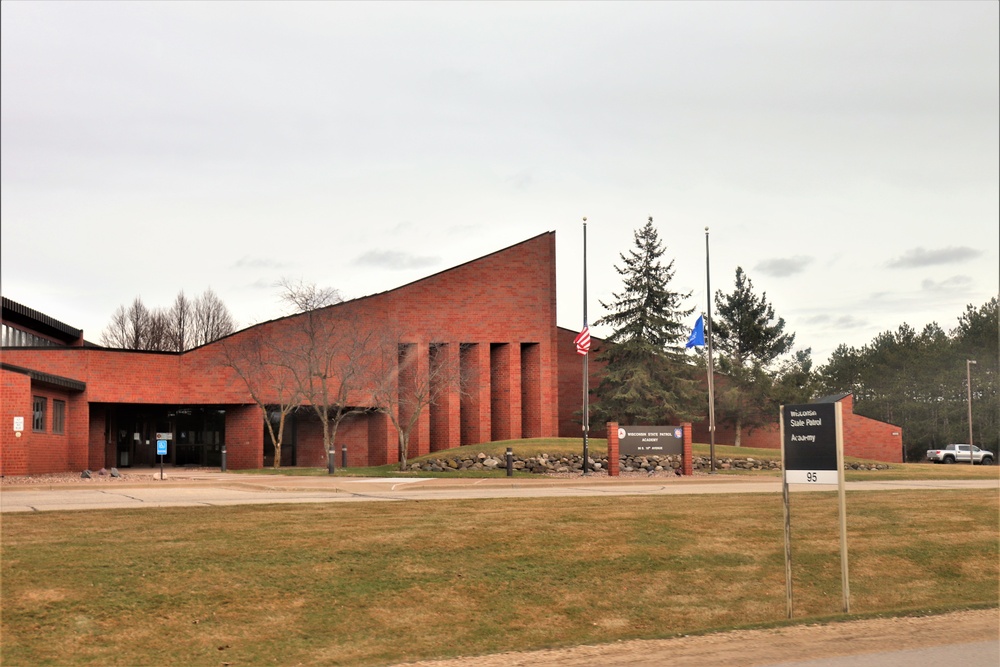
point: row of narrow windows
(14, 337)
(39, 405)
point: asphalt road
(973, 654)
(218, 489)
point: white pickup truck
(959, 454)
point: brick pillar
(446, 410)
(15, 400)
(420, 436)
(476, 419)
(111, 444)
(505, 396)
(412, 362)
(613, 457)
(688, 461)
(244, 437)
(383, 441)
(531, 391)
(96, 435)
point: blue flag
(697, 337)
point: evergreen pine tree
(748, 340)
(646, 379)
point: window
(58, 416)
(38, 417)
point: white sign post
(812, 452)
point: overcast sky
(844, 154)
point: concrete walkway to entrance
(207, 488)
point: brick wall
(45, 451)
(244, 437)
(765, 437)
(571, 384)
(868, 438)
(863, 437)
(505, 300)
(531, 391)
(15, 401)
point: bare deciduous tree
(254, 360)
(183, 326)
(403, 386)
(128, 326)
(181, 316)
(212, 319)
(327, 352)
(158, 332)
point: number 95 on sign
(811, 476)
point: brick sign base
(614, 456)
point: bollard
(223, 458)
(510, 462)
(343, 456)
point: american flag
(582, 340)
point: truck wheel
(987, 461)
(949, 459)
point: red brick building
(863, 437)
(68, 405)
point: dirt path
(747, 648)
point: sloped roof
(34, 320)
(832, 398)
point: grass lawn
(376, 583)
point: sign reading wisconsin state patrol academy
(809, 443)
(650, 440)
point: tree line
(185, 325)
(918, 380)
(914, 380)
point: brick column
(613, 458)
(687, 461)
(446, 412)
(96, 435)
(15, 400)
(506, 420)
(383, 441)
(477, 423)
(244, 437)
(531, 391)
(420, 437)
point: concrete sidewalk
(206, 488)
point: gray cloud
(918, 257)
(946, 285)
(841, 322)
(782, 267)
(261, 284)
(247, 262)
(849, 322)
(390, 259)
(521, 180)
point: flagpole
(586, 359)
(711, 365)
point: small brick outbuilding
(863, 437)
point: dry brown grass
(376, 583)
